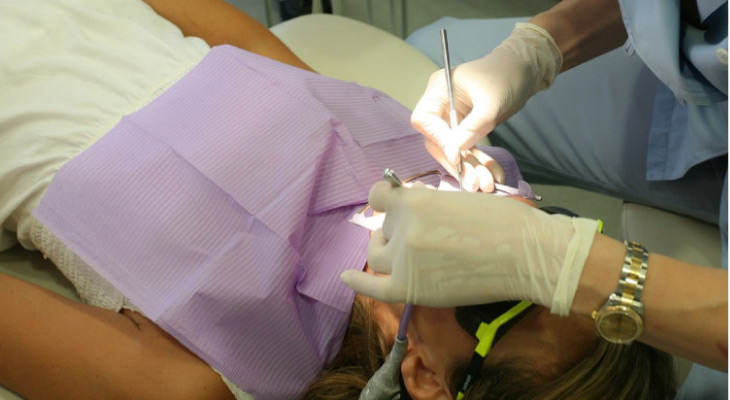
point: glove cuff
(544, 54)
(584, 230)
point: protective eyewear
(487, 323)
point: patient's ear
(423, 380)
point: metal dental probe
(450, 87)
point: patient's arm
(52, 347)
(218, 22)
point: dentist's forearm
(583, 29)
(686, 311)
(685, 306)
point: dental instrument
(390, 176)
(385, 383)
(450, 88)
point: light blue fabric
(591, 129)
(680, 55)
(704, 384)
(683, 136)
(690, 116)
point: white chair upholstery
(350, 50)
(671, 234)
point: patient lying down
(238, 268)
(207, 232)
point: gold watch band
(633, 273)
(621, 319)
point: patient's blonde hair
(363, 351)
(608, 371)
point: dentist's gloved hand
(487, 91)
(445, 249)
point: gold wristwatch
(620, 320)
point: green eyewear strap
(486, 334)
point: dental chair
(350, 50)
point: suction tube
(385, 383)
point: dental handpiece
(390, 176)
(450, 88)
(385, 383)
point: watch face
(619, 324)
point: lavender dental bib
(221, 210)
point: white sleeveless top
(69, 70)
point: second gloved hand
(487, 91)
(445, 249)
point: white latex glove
(487, 91)
(444, 249)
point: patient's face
(546, 339)
(538, 336)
